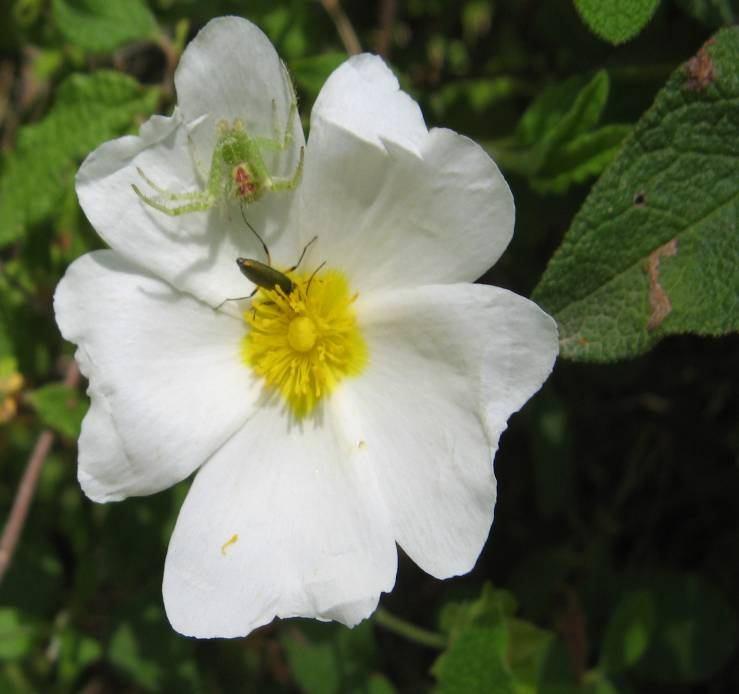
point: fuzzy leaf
(616, 21)
(653, 250)
(89, 109)
(102, 25)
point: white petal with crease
(231, 70)
(397, 220)
(195, 252)
(363, 97)
(165, 373)
(448, 366)
(280, 522)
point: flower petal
(105, 472)
(231, 70)
(363, 97)
(448, 366)
(166, 377)
(389, 218)
(195, 252)
(285, 520)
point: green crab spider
(237, 168)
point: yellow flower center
(302, 334)
(304, 343)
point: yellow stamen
(231, 541)
(304, 343)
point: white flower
(296, 509)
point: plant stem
(343, 26)
(27, 487)
(410, 631)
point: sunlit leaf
(88, 110)
(616, 21)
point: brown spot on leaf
(640, 199)
(700, 70)
(659, 302)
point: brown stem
(172, 57)
(343, 26)
(388, 10)
(27, 487)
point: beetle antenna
(254, 231)
(315, 272)
(302, 255)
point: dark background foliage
(613, 563)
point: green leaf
(553, 455)
(564, 110)
(528, 650)
(330, 659)
(102, 25)
(89, 109)
(628, 633)
(313, 665)
(580, 159)
(490, 609)
(76, 652)
(60, 407)
(475, 663)
(713, 13)
(311, 73)
(694, 633)
(602, 685)
(142, 647)
(616, 21)
(653, 250)
(379, 684)
(477, 95)
(555, 143)
(16, 637)
(126, 654)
